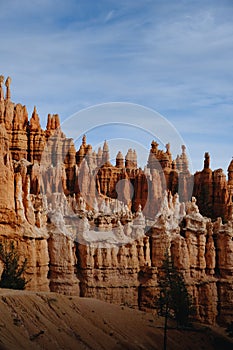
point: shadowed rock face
(93, 229)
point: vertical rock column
(35, 250)
(202, 283)
(7, 203)
(62, 262)
(223, 235)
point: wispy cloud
(109, 15)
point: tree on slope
(12, 272)
(174, 300)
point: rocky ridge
(74, 216)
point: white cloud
(109, 16)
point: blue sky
(175, 57)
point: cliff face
(213, 191)
(93, 229)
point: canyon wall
(93, 229)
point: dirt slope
(52, 321)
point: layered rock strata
(93, 229)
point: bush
(12, 272)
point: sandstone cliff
(93, 229)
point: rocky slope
(53, 321)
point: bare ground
(30, 320)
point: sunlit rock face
(91, 228)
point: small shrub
(12, 273)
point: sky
(173, 57)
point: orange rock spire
(8, 91)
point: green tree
(12, 273)
(174, 301)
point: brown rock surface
(7, 197)
(213, 191)
(55, 321)
(90, 228)
(62, 264)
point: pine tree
(174, 300)
(174, 297)
(12, 272)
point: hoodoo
(93, 229)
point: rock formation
(93, 229)
(213, 191)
